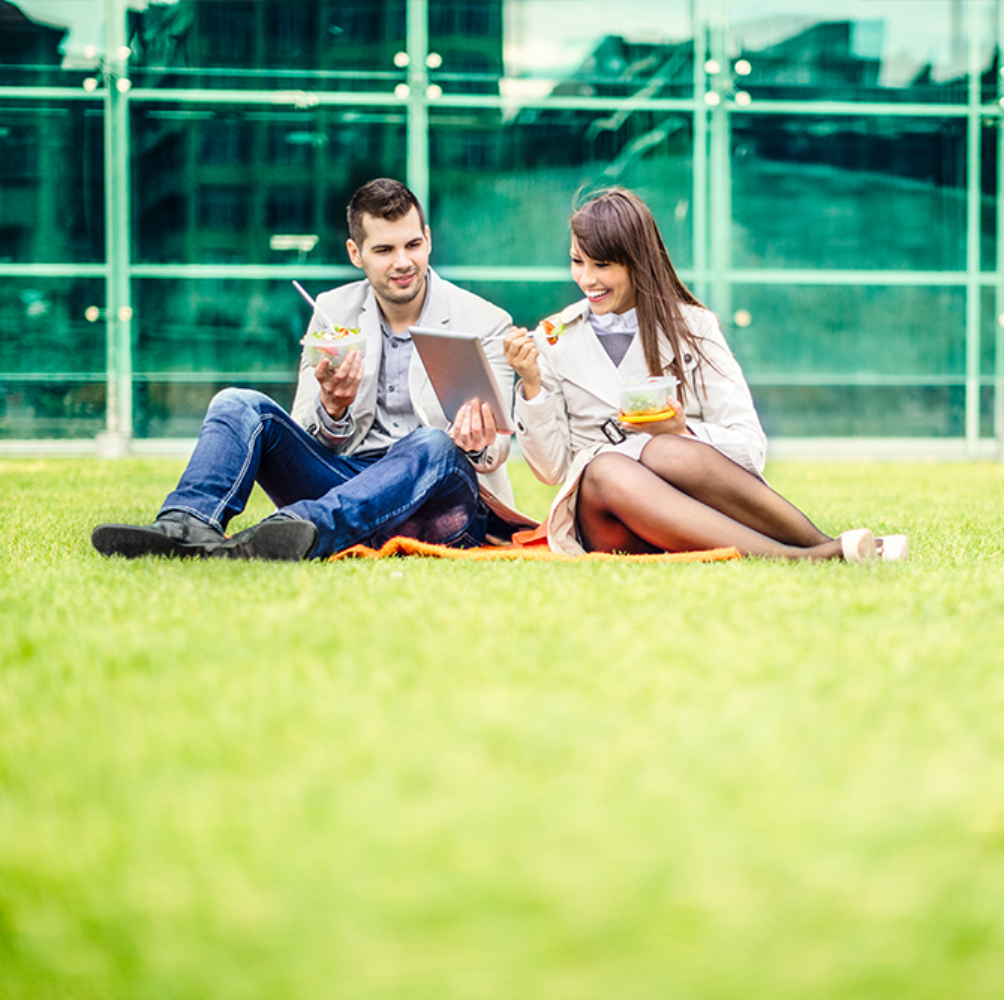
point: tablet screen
(459, 371)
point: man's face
(395, 257)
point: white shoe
(858, 546)
(893, 547)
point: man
(367, 453)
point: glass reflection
(49, 44)
(861, 411)
(848, 192)
(528, 302)
(838, 333)
(880, 50)
(176, 408)
(44, 323)
(243, 327)
(538, 48)
(51, 182)
(349, 45)
(38, 409)
(238, 185)
(503, 187)
(52, 359)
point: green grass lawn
(422, 780)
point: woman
(690, 481)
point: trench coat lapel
(580, 358)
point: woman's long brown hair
(616, 226)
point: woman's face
(608, 286)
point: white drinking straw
(320, 312)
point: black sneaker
(175, 534)
(279, 538)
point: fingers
(520, 350)
(473, 427)
(516, 333)
(488, 422)
(521, 355)
(339, 386)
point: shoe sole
(132, 541)
(271, 541)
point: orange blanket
(526, 545)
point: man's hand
(338, 386)
(521, 355)
(473, 428)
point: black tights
(684, 495)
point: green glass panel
(861, 411)
(44, 329)
(989, 321)
(840, 333)
(528, 302)
(848, 50)
(53, 407)
(547, 48)
(234, 327)
(311, 44)
(51, 183)
(849, 192)
(175, 409)
(503, 188)
(988, 331)
(989, 193)
(226, 184)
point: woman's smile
(607, 285)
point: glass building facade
(825, 176)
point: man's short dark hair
(383, 199)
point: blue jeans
(422, 487)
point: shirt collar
(626, 322)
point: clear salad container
(332, 344)
(648, 399)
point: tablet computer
(459, 371)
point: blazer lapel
(369, 324)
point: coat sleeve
(727, 420)
(542, 429)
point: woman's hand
(338, 386)
(676, 424)
(473, 427)
(521, 355)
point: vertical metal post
(974, 126)
(118, 307)
(418, 109)
(999, 289)
(699, 26)
(721, 177)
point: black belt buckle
(613, 431)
